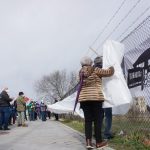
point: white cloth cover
(66, 106)
(115, 89)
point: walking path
(49, 135)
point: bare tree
(54, 86)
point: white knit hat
(86, 61)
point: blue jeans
(108, 122)
(32, 115)
(13, 115)
(4, 116)
(43, 115)
(29, 114)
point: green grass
(132, 141)
(77, 125)
(127, 143)
(130, 125)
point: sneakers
(6, 128)
(101, 145)
(89, 144)
(24, 125)
(88, 147)
(19, 125)
(108, 137)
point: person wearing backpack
(21, 109)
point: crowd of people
(18, 111)
(90, 97)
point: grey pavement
(49, 135)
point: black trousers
(93, 113)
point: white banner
(137, 70)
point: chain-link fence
(137, 72)
(137, 120)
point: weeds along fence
(136, 66)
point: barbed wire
(108, 23)
(137, 28)
(122, 20)
(111, 19)
(133, 23)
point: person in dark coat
(56, 115)
(98, 62)
(48, 114)
(4, 109)
(14, 111)
(43, 111)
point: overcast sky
(40, 36)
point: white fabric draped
(115, 89)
